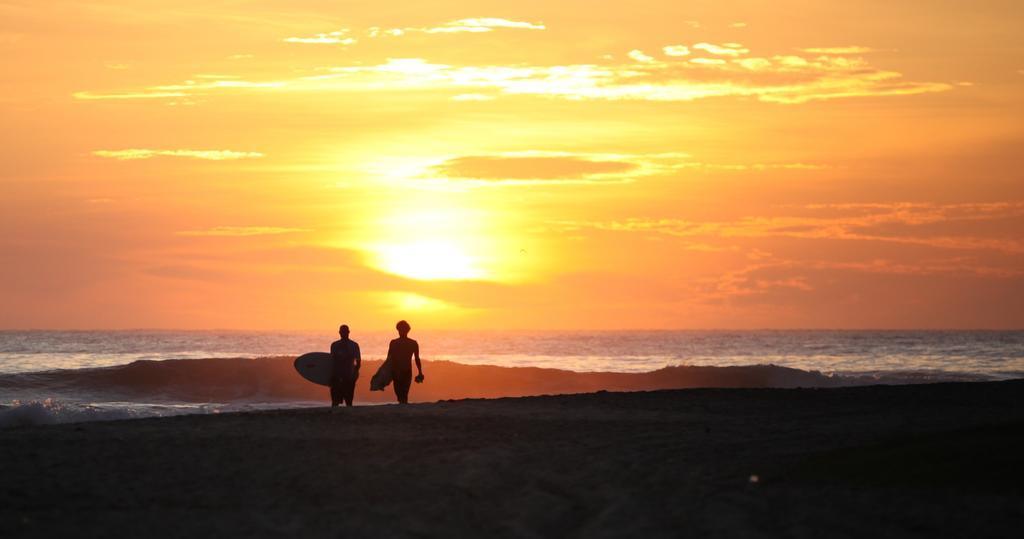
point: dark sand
(898, 461)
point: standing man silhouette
(347, 360)
(400, 354)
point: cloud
(498, 167)
(486, 24)
(145, 94)
(472, 97)
(532, 168)
(785, 79)
(851, 222)
(639, 56)
(754, 167)
(676, 50)
(188, 88)
(708, 61)
(471, 25)
(242, 231)
(537, 167)
(755, 64)
(780, 79)
(781, 281)
(853, 49)
(337, 37)
(192, 86)
(132, 154)
(725, 49)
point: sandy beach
(910, 461)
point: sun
(428, 260)
(437, 237)
(445, 242)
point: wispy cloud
(676, 50)
(337, 37)
(852, 49)
(769, 278)
(132, 154)
(214, 76)
(779, 79)
(242, 231)
(639, 56)
(785, 79)
(188, 88)
(478, 25)
(472, 97)
(708, 61)
(508, 169)
(754, 167)
(144, 94)
(853, 222)
(531, 167)
(725, 49)
(485, 24)
(550, 168)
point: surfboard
(315, 367)
(382, 377)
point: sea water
(58, 376)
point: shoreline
(915, 460)
(238, 381)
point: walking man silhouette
(400, 354)
(347, 360)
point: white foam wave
(50, 411)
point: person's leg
(402, 380)
(350, 390)
(406, 382)
(336, 392)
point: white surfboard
(316, 367)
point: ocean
(69, 376)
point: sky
(512, 165)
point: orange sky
(570, 164)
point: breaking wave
(275, 379)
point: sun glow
(446, 242)
(409, 301)
(429, 260)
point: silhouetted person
(400, 353)
(347, 361)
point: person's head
(403, 328)
(343, 331)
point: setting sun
(429, 259)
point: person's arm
(416, 352)
(359, 357)
(334, 357)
